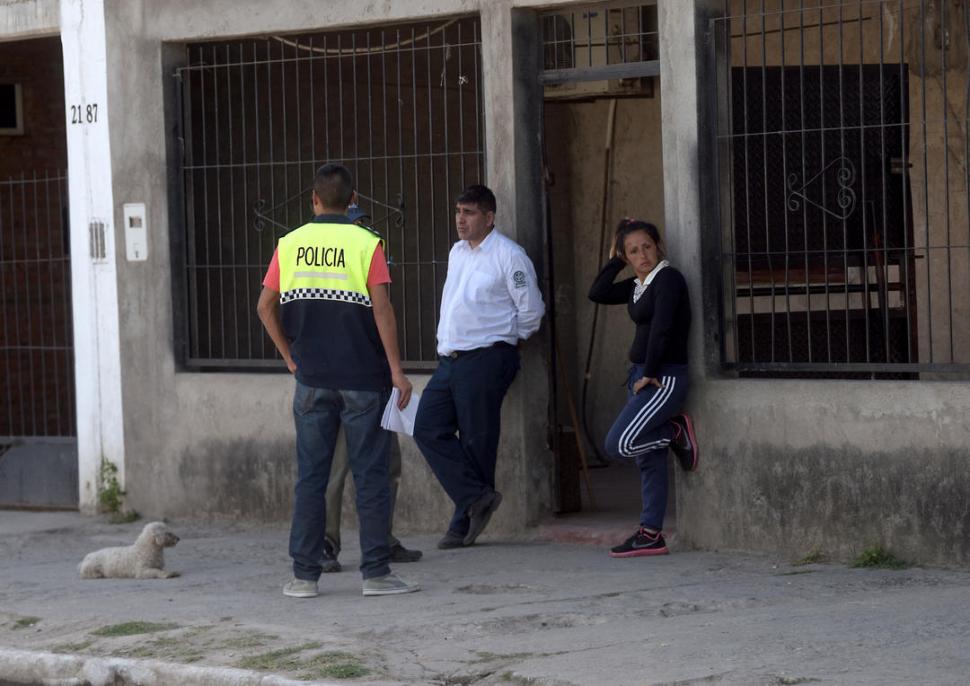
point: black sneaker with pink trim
(641, 543)
(684, 443)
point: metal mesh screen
(842, 163)
(400, 106)
(599, 35)
(36, 338)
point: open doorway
(38, 449)
(602, 133)
(579, 172)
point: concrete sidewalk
(502, 612)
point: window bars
(842, 149)
(36, 339)
(401, 106)
(595, 42)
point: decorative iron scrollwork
(259, 223)
(845, 198)
(263, 216)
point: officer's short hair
(478, 195)
(334, 186)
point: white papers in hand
(401, 421)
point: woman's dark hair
(628, 226)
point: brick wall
(38, 66)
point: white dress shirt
(490, 296)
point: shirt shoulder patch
(518, 279)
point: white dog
(143, 560)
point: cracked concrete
(509, 612)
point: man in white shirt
(490, 302)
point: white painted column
(97, 357)
(679, 69)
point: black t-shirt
(661, 314)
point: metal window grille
(36, 339)
(841, 132)
(603, 41)
(401, 106)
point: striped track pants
(643, 424)
(642, 432)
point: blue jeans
(318, 413)
(642, 432)
(464, 395)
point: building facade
(806, 161)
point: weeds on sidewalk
(878, 557)
(111, 496)
(336, 665)
(186, 647)
(814, 556)
(182, 644)
(132, 628)
(126, 517)
(72, 648)
(256, 640)
(485, 656)
(285, 658)
(166, 648)
(323, 666)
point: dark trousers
(335, 491)
(643, 431)
(464, 396)
(319, 413)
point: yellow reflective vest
(326, 306)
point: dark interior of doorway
(578, 169)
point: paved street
(503, 612)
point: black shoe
(329, 559)
(401, 554)
(641, 543)
(479, 513)
(684, 443)
(451, 540)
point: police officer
(338, 475)
(325, 304)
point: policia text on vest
(310, 256)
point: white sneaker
(300, 588)
(389, 584)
